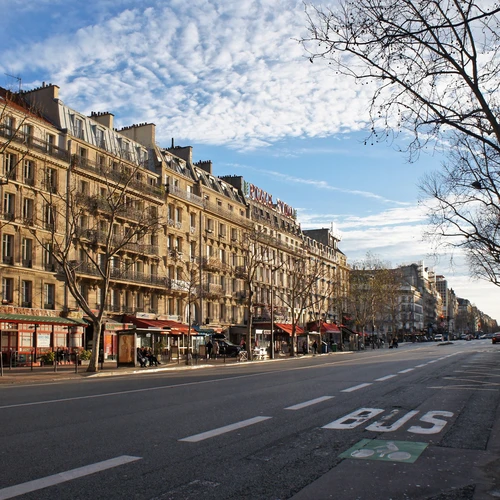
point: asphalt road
(418, 422)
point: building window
(9, 206)
(9, 167)
(99, 135)
(27, 252)
(48, 257)
(50, 181)
(29, 172)
(28, 133)
(178, 215)
(49, 296)
(51, 140)
(26, 293)
(49, 216)
(79, 128)
(8, 249)
(7, 290)
(28, 204)
(10, 125)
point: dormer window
(99, 136)
(79, 128)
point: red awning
(166, 325)
(329, 328)
(287, 328)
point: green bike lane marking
(385, 451)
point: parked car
(438, 337)
(495, 338)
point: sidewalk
(47, 374)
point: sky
(230, 79)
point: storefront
(25, 337)
(165, 337)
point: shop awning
(166, 326)
(41, 320)
(329, 328)
(287, 328)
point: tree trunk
(96, 343)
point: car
(495, 338)
(227, 348)
(438, 337)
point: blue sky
(229, 79)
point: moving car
(438, 337)
(227, 348)
(495, 338)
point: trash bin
(324, 347)
(334, 347)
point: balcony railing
(118, 176)
(32, 142)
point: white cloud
(245, 83)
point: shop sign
(143, 315)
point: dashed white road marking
(387, 377)
(420, 366)
(309, 403)
(222, 430)
(407, 370)
(356, 387)
(62, 477)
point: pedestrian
(216, 349)
(315, 347)
(209, 349)
(304, 347)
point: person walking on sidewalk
(315, 347)
(209, 349)
(216, 349)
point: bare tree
(304, 271)
(255, 247)
(463, 201)
(434, 67)
(388, 300)
(189, 281)
(367, 280)
(84, 234)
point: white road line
(420, 366)
(387, 377)
(356, 387)
(222, 430)
(62, 477)
(309, 403)
(433, 361)
(407, 370)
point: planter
(84, 362)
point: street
(407, 423)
